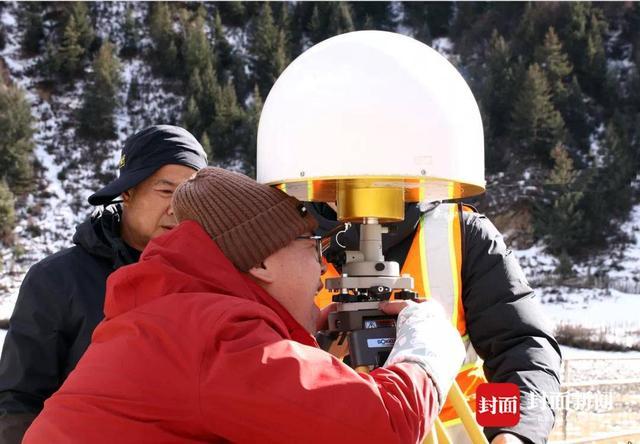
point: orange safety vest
(435, 263)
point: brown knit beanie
(249, 221)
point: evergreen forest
(557, 84)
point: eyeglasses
(322, 244)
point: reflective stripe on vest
(434, 262)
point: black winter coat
(59, 304)
(505, 322)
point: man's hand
(394, 307)
(506, 438)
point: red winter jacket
(191, 350)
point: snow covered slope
(48, 217)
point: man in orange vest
(491, 305)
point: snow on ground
(621, 263)
(589, 307)
(603, 316)
(611, 311)
(627, 265)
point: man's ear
(126, 196)
(262, 273)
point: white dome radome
(377, 106)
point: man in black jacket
(61, 298)
(505, 324)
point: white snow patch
(535, 261)
(611, 315)
(591, 308)
(8, 19)
(595, 149)
(443, 45)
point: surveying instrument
(369, 121)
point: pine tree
(596, 60)
(222, 49)
(574, 31)
(131, 35)
(537, 125)
(556, 65)
(252, 118)
(316, 26)
(229, 64)
(16, 143)
(559, 218)
(339, 19)
(194, 86)
(416, 17)
(79, 12)
(498, 94)
(576, 116)
(196, 50)
(583, 37)
(96, 118)
(563, 173)
(49, 65)
(439, 15)
(234, 12)
(526, 34)
(31, 14)
(620, 165)
(371, 15)
(329, 19)
(225, 129)
(7, 213)
(208, 99)
(70, 56)
(163, 37)
(268, 50)
(133, 95)
(607, 187)
(68, 48)
(299, 24)
(495, 94)
(565, 265)
(192, 117)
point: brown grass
(587, 338)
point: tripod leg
(432, 437)
(443, 437)
(466, 415)
(438, 434)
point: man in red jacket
(208, 338)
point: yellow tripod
(439, 435)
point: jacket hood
(186, 260)
(99, 235)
